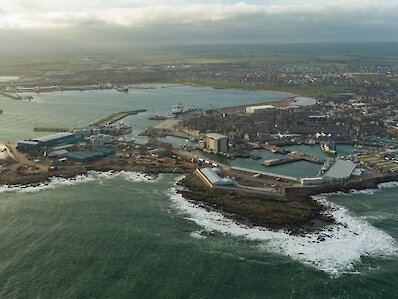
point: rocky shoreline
(298, 213)
(298, 216)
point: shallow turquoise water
(123, 236)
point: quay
(17, 98)
(268, 174)
(300, 156)
(111, 119)
(275, 162)
(56, 130)
(293, 157)
(274, 149)
(108, 120)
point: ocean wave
(53, 183)
(335, 250)
(198, 234)
(381, 186)
(56, 182)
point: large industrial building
(213, 178)
(253, 109)
(340, 171)
(217, 143)
(88, 156)
(54, 140)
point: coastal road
(19, 157)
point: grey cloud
(91, 33)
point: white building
(312, 181)
(341, 170)
(253, 109)
(217, 143)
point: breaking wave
(336, 249)
(56, 182)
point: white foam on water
(197, 235)
(334, 250)
(52, 184)
(388, 185)
(56, 182)
(127, 175)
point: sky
(45, 25)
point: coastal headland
(256, 198)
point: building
(212, 176)
(88, 156)
(340, 171)
(63, 153)
(253, 109)
(28, 146)
(217, 143)
(54, 140)
(312, 181)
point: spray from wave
(56, 182)
(335, 250)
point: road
(19, 157)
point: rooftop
(215, 136)
(261, 107)
(54, 137)
(341, 169)
(214, 178)
(27, 142)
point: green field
(240, 55)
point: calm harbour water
(124, 235)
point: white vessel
(325, 147)
(122, 88)
(181, 109)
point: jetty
(48, 129)
(267, 174)
(17, 98)
(111, 119)
(293, 157)
(275, 162)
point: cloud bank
(125, 22)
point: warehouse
(217, 143)
(28, 146)
(212, 175)
(58, 154)
(341, 170)
(312, 181)
(55, 139)
(253, 109)
(88, 156)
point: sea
(127, 235)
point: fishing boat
(327, 149)
(122, 89)
(181, 109)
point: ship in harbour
(329, 148)
(180, 109)
(122, 88)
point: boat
(310, 142)
(255, 157)
(122, 88)
(181, 109)
(325, 147)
